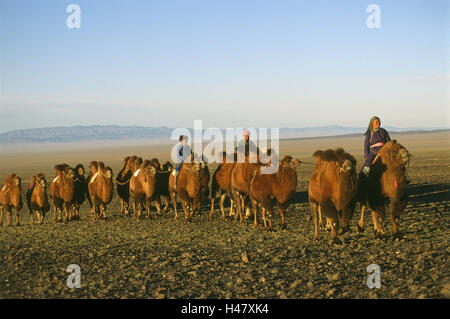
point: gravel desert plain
(162, 258)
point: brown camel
(37, 198)
(11, 198)
(188, 188)
(142, 188)
(79, 195)
(123, 183)
(101, 190)
(332, 189)
(62, 192)
(280, 186)
(241, 175)
(386, 180)
(221, 183)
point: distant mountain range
(115, 132)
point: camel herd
(334, 189)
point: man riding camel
(246, 146)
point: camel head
(108, 172)
(69, 173)
(403, 155)
(346, 166)
(41, 182)
(17, 180)
(80, 170)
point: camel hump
(145, 164)
(287, 159)
(61, 167)
(101, 166)
(327, 155)
(93, 166)
(338, 155)
(10, 179)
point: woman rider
(376, 137)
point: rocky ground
(161, 258)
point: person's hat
(246, 133)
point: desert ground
(162, 258)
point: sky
(234, 63)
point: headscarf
(370, 128)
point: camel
(188, 188)
(11, 198)
(62, 192)
(240, 182)
(79, 195)
(221, 183)
(123, 184)
(101, 190)
(142, 188)
(332, 190)
(386, 180)
(37, 198)
(280, 186)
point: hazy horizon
(286, 63)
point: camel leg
(263, 213)
(281, 209)
(237, 200)
(173, 196)
(267, 206)
(54, 213)
(8, 215)
(222, 209)
(158, 205)
(1, 216)
(134, 208)
(320, 217)
(66, 218)
(211, 212)
(103, 211)
(360, 225)
(396, 208)
(255, 212)
(232, 207)
(242, 210)
(122, 207)
(270, 216)
(16, 210)
(329, 211)
(166, 204)
(345, 219)
(378, 217)
(314, 213)
(147, 207)
(126, 207)
(185, 206)
(31, 217)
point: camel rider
(245, 146)
(183, 152)
(376, 137)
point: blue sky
(229, 63)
